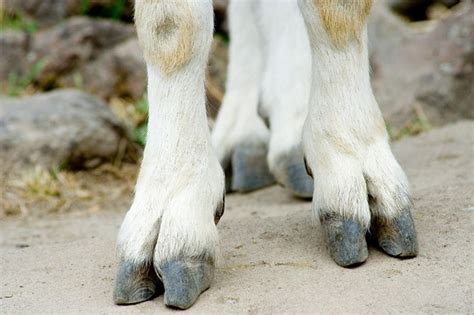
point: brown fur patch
(343, 20)
(166, 31)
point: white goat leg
(358, 182)
(239, 135)
(285, 92)
(169, 232)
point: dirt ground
(273, 257)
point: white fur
(286, 79)
(270, 63)
(180, 182)
(238, 120)
(345, 140)
(345, 143)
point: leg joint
(166, 32)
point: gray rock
(49, 12)
(430, 69)
(120, 72)
(80, 40)
(61, 128)
(45, 12)
(102, 57)
(62, 47)
(14, 49)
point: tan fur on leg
(343, 20)
(165, 30)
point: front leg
(358, 183)
(168, 238)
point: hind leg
(239, 135)
(168, 238)
(285, 92)
(358, 183)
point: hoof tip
(134, 284)
(299, 182)
(290, 171)
(184, 281)
(249, 168)
(346, 240)
(397, 237)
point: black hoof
(397, 237)
(250, 169)
(184, 281)
(293, 175)
(135, 284)
(345, 239)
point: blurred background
(73, 103)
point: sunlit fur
(345, 140)
(181, 183)
(321, 74)
(238, 121)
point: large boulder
(62, 128)
(14, 48)
(429, 69)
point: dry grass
(418, 124)
(38, 192)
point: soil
(273, 258)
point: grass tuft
(18, 84)
(140, 131)
(9, 22)
(418, 124)
(133, 113)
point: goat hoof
(135, 284)
(184, 281)
(249, 168)
(291, 172)
(397, 237)
(345, 239)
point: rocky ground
(273, 257)
(72, 114)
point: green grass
(16, 23)
(85, 7)
(224, 37)
(114, 11)
(78, 81)
(17, 84)
(139, 133)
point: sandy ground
(273, 257)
